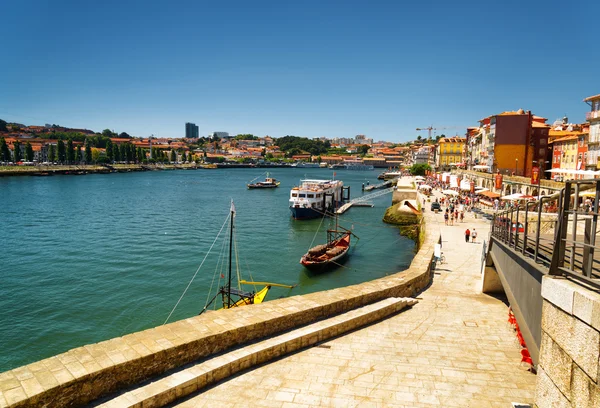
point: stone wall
(568, 371)
(86, 373)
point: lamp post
(516, 165)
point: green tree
(173, 156)
(61, 151)
(16, 152)
(28, 152)
(116, 152)
(4, 150)
(109, 151)
(108, 133)
(70, 152)
(123, 152)
(78, 155)
(419, 169)
(419, 138)
(140, 155)
(88, 152)
(124, 135)
(52, 153)
(3, 127)
(363, 149)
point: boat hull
(251, 186)
(303, 213)
(324, 261)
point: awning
(488, 194)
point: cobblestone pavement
(452, 349)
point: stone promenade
(452, 349)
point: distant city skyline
(312, 69)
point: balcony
(592, 115)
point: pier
(363, 201)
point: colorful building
(593, 118)
(450, 152)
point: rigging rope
(197, 270)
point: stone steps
(202, 374)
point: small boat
(331, 253)
(306, 165)
(235, 296)
(269, 182)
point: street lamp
(516, 165)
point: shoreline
(83, 169)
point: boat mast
(230, 253)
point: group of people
(453, 214)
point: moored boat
(331, 253)
(269, 182)
(314, 198)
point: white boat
(313, 198)
(306, 165)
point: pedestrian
(467, 234)
(473, 235)
(462, 216)
(451, 218)
(446, 217)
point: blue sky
(305, 68)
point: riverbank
(82, 169)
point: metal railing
(514, 228)
(575, 255)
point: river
(88, 258)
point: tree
(70, 152)
(62, 151)
(123, 152)
(3, 127)
(124, 135)
(419, 138)
(28, 152)
(419, 169)
(362, 150)
(140, 155)
(17, 152)
(116, 153)
(109, 151)
(108, 133)
(78, 155)
(52, 153)
(173, 156)
(88, 152)
(4, 150)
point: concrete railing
(568, 371)
(86, 373)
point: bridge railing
(565, 242)
(576, 253)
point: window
(311, 196)
(302, 195)
(294, 194)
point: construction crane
(430, 128)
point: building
(509, 142)
(450, 152)
(221, 135)
(191, 130)
(421, 156)
(593, 118)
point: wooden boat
(331, 253)
(269, 182)
(235, 297)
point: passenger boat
(314, 198)
(269, 182)
(306, 165)
(332, 252)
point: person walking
(473, 235)
(462, 216)
(467, 234)
(446, 217)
